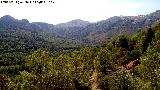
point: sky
(62, 11)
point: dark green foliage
(119, 81)
(122, 42)
(143, 50)
(30, 62)
(148, 39)
(4, 82)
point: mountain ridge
(74, 23)
(84, 31)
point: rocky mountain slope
(83, 31)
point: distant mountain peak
(157, 10)
(24, 21)
(78, 21)
(74, 23)
(7, 17)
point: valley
(119, 53)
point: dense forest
(129, 62)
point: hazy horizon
(62, 11)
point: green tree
(40, 64)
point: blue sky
(90, 10)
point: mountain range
(81, 31)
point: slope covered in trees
(110, 28)
(126, 63)
(82, 32)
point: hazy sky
(90, 10)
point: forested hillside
(82, 33)
(29, 62)
(106, 30)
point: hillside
(73, 23)
(83, 32)
(29, 33)
(42, 56)
(130, 62)
(108, 29)
(114, 26)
